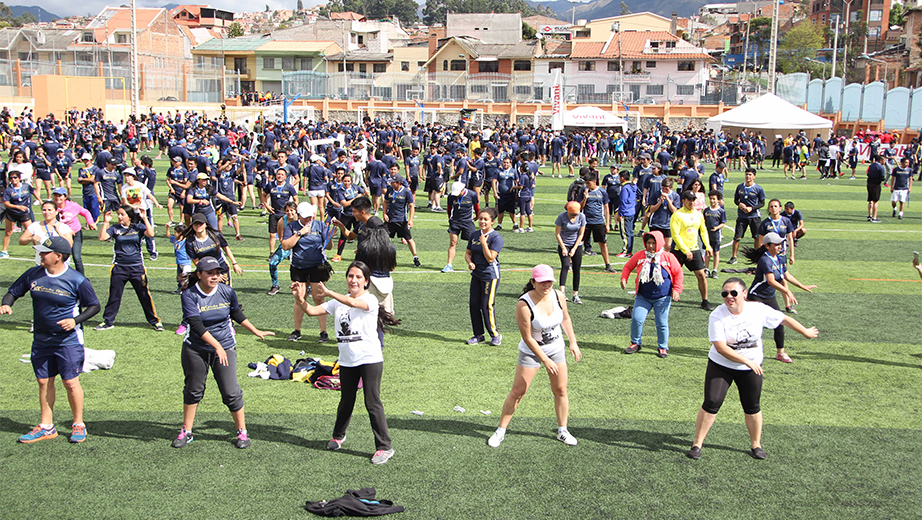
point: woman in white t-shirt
(735, 332)
(48, 227)
(359, 329)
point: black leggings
(773, 303)
(195, 366)
(371, 383)
(717, 380)
(566, 263)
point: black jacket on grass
(354, 503)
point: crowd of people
(324, 183)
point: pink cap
(573, 207)
(542, 273)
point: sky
(93, 7)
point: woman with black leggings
(772, 275)
(569, 230)
(735, 332)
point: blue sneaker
(4, 254)
(448, 269)
(38, 434)
(475, 340)
(78, 434)
(497, 340)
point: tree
(300, 5)
(267, 8)
(528, 32)
(897, 14)
(798, 44)
(625, 9)
(235, 30)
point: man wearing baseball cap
(57, 343)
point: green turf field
(842, 423)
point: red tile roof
(632, 47)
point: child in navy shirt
(715, 219)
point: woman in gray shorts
(541, 313)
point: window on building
(479, 88)
(876, 15)
(523, 90)
(420, 65)
(614, 66)
(686, 66)
(651, 64)
(488, 66)
(873, 32)
(88, 37)
(583, 33)
(445, 65)
(268, 63)
(459, 65)
(555, 65)
(363, 68)
(670, 45)
(521, 65)
(654, 45)
(654, 90)
(240, 65)
(306, 63)
(123, 38)
(378, 68)
(685, 90)
(288, 64)
(405, 66)
(635, 67)
(361, 39)
(26, 56)
(586, 66)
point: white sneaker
(496, 439)
(566, 438)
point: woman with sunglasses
(735, 332)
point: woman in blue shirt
(482, 258)
(307, 238)
(208, 307)
(772, 275)
(569, 230)
(199, 197)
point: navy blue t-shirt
(777, 266)
(484, 270)
(215, 310)
(55, 298)
(127, 243)
(308, 252)
(595, 205)
(398, 202)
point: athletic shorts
(317, 193)
(64, 361)
(433, 184)
(463, 230)
(17, 217)
(530, 360)
(525, 205)
(873, 193)
(555, 158)
(667, 232)
(310, 275)
(44, 175)
(178, 197)
(111, 205)
(714, 239)
(399, 229)
(695, 264)
(853, 162)
(506, 203)
(374, 191)
(741, 224)
(274, 222)
(598, 233)
(226, 208)
(899, 196)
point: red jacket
(668, 260)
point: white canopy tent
(592, 117)
(770, 115)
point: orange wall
(56, 94)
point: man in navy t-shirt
(58, 295)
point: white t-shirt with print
(742, 332)
(356, 332)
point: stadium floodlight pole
(616, 27)
(835, 46)
(134, 60)
(773, 53)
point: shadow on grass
(856, 359)
(443, 426)
(405, 333)
(309, 345)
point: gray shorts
(530, 360)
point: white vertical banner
(556, 100)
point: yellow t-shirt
(684, 225)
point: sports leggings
(483, 295)
(195, 366)
(370, 375)
(567, 263)
(773, 303)
(717, 380)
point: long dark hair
(377, 251)
(214, 235)
(752, 255)
(132, 214)
(384, 317)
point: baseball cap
(86, 157)
(56, 244)
(129, 171)
(645, 156)
(199, 218)
(60, 191)
(209, 263)
(573, 207)
(112, 160)
(656, 165)
(201, 176)
(542, 273)
(398, 179)
(457, 188)
(773, 238)
(306, 209)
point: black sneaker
(324, 337)
(757, 453)
(336, 444)
(416, 261)
(243, 440)
(184, 438)
(706, 305)
(609, 268)
(294, 336)
(158, 327)
(694, 453)
(273, 291)
(732, 260)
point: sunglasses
(734, 293)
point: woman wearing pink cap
(541, 313)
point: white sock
(501, 432)
(562, 429)
(47, 426)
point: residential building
(653, 66)
(488, 28)
(875, 12)
(466, 68)
(600, 30)
(203, 16)
(273, 58)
